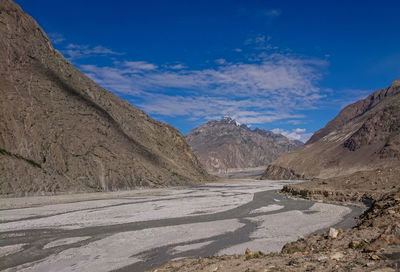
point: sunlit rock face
(59, 131)
(364, 136)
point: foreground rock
(225, 145)
(276, 172)
(364, 136)
(59, 131)
(362, 186)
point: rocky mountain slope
(364, 136)
(59, 131)
(225, 144)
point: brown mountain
(59, 131)
(364, 136)
(225, 144)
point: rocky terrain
(137, 230)
(224, 145)
(364, 136)
(373, 245)
(363, 186)
(354, 159)
(59, 131)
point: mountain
(226, 144)
(59, 131)
(364, 136)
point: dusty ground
(241, 173)
(373, 245)
(135, 231)
(361, 186)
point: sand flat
(138, 230)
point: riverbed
(141, 229)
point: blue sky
(287, 66)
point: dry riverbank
(139, 230)
(372, 245)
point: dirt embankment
(373, 245)
(363, 186)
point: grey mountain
(225, 144)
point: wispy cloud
(56, 38)
(299, 134)
(261, 42)
(139, 65)
(178, 66)
(269, 13)
(270, 89)
(344, 97)
(263, 88)
(205, 107)
(75, 51)
(221, 61)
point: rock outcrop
(225, 145)
(59, 131)
(364, 136)
(276, 172)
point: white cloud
(178, 66)
(75, 51)
(275, 75)
(221, 61)
(270, 13)
(295, 122)
(271, 89)
(261, 43)
(262, 89)
(56, 38)
(295, 134)
(110, 78)
(139, 65)
(209, 108)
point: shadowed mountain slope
(59, 131)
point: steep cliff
(59, 131)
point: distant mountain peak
(229, 120)
(396, 83)
(226, 144)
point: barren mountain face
(59, 131)
(364, 136)
(225, 144)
